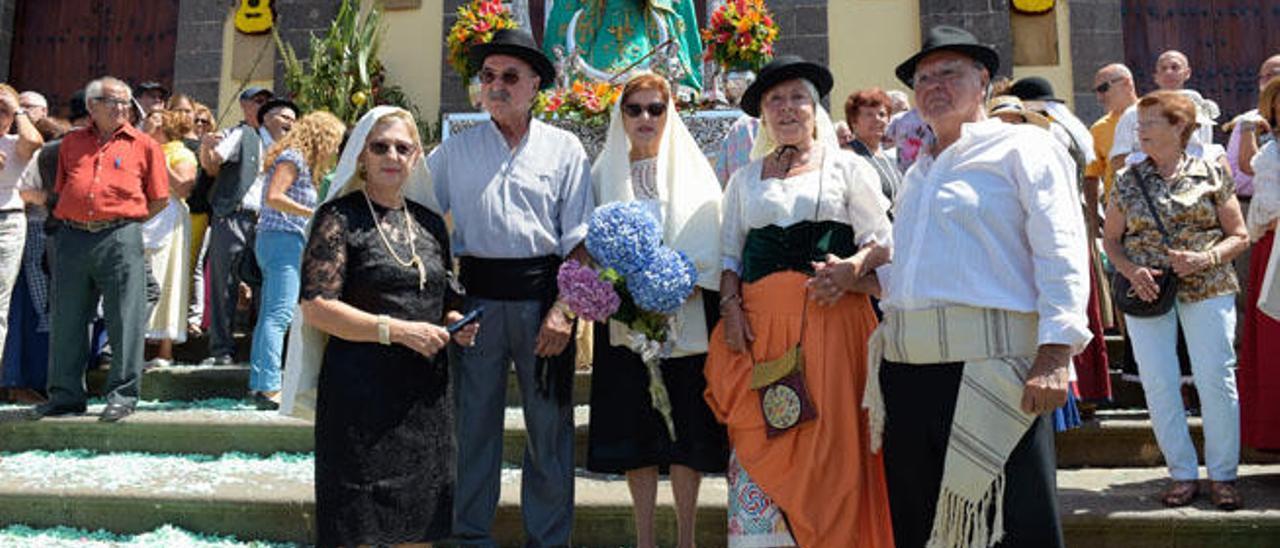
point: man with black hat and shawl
(984, 306)
(520, 194)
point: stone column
(197, 63)
(1096, 40)
(988, 20)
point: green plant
(344, 75)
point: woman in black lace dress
(376, 278)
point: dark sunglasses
(203, 122)
(1106, 86)
(382, 148)
(654, 109)
(509, 77)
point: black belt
(532, 279)
(97, 226)
(12, 210)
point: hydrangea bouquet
(639, 282)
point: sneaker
(224, 359)
(156, 362)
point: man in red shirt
(111, 177)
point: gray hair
(34, 97)
(94, 89)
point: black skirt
(626, 433)
(385, 457)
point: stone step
(187, 382)
(1118, 439)
(272, 499)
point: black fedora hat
(519, 44)
(781, 69)
(948, 38)
(276, 103)
(1034, 88)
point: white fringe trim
(961, 523)
(872, 399)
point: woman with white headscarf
(377, 280)
(804, 223)
(650, 157)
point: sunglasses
(1106, 86)
(382, 148)
(509, 77)
(203, 122)
(655, 110)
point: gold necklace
(414, 260)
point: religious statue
(605, 37)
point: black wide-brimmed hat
(521, 45)
(948, 38)
(1034, 88)
(276, 103)
(781, 69)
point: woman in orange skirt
(786, 366)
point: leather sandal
(1181, 493)
(1224, 495)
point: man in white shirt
(984, 307)
(1172, 72)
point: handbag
(1127, 299)
(784, 397)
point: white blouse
(846, 189)
(1265, 206)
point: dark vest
(235, 178)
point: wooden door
(60, 45)
(1225, 40)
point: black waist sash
(774, 249)
(532, 279)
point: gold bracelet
(384, 329)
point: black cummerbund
(532, 279)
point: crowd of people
(894, 311)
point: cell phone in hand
(473, 316)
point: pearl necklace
(414, 260)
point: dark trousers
(229, 237)
(108, 264)
(920, 401)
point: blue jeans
(1210, 327)
(279, 256)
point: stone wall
(1096, 40)
(197, 63)
(988, 20)
(295, 21)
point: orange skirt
(822, 472)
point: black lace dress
(384, 420)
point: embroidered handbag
(1127, 299)
(784, 398)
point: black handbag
(1127, 299)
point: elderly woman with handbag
(1172, 227)
(802, 223)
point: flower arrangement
(740, 35)
(584, 101)
(641, 284)
(477, 21)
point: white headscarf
(690, 195)
(346, 178)
(306, 343)
(825, 131)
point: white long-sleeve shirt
(993, 222)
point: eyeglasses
(113, 102)
(382, 148)
(944, 75)
(203, 122)
(510, 77)
(1106, 86)
(655, 110)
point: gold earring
(361, 169)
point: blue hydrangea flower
(665, 283)
(623, 236)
